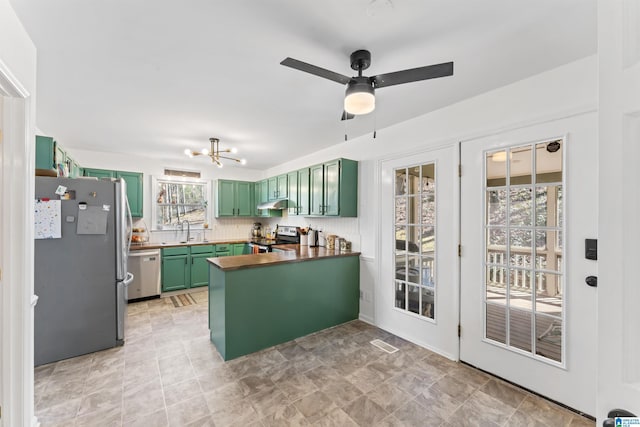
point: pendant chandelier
(215, 153)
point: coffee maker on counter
(256, 231)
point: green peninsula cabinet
(134, 186)
(334, 189)
(252, 308)
(235, 198)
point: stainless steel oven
(258, 248)
(285, 234)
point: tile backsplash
(240, 228)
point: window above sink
(176, 199)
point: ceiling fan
(360, 94)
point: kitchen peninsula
(260, 300)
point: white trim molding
(16, 228)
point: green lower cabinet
(200, 270)
(223, 253)
(175, 272)
(240, 249)
(185, 267)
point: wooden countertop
(145, 246)
(292, 253)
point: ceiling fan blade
(413, 75)
(347, 116)
(317, 71)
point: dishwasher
(145, 266)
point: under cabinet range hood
(275, 204)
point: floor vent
(384, 346)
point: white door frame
(619, 201)
(17, 155)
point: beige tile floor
(169, 374)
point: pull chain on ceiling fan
(360, 92)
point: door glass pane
(401, 295)
(496, 169)
(524, 252)
(413, 180)
(428, 208)
(401, 182)
(549, 298)
(520, 287)
(427, 308)
(497, 207)
(401, 210)
(428, 240)
(496, 323)
(415, 236)
(520, 248)
(549, 162)
(520, 165)
(520, 329)
(549, 337)
(496, 246)
(497, 281)
(414, 299)
(521, 206)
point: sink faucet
(188, 229)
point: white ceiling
(155, 77)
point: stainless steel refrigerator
(80, 261)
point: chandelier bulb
(205, 152)
(243, 161)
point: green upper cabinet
(292, 180)
(272, 185)
(45, 153)
(134, 186)
(99, 173)
(235, 198)
(134, 191)
(299, 192)
(303, 191)
(49, 156)
(262, 196)
(316, 187)
(334, 189)
(277, 186)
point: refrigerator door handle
(130, 225)
(127, 281)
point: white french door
(416, 296)
(527, 206)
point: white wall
(18, 79)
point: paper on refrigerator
(48, 219)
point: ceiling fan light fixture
(359, 97)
